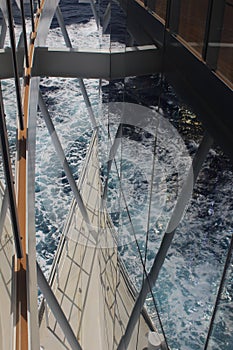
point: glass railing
(192, 23)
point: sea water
(188, 283)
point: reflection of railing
(204, 26)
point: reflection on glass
(192, 22)
(158, 6)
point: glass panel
(192, 22)
(225, 60)
(160, 8)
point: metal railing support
(81, 83)
(56, 310)
(61, 23)
(179, 209)
(87, 102)
(9, 180)
(64, 163)
(219, 294)
(30, 229)
(94, 12)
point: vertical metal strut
(220, 290)
(64, 163)
(93, 7)
(9, 180)
(80, 80)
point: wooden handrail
(21, 340)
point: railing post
(64, 163)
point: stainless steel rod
(64, 163)
(80, 80)
(3, 33)
(9, 180)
